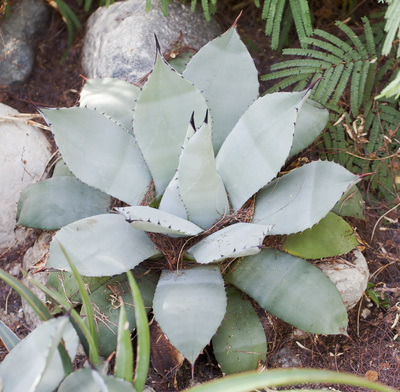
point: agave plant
(195, 158)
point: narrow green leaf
(237, 240)
(157, 221)
(200, 186)
(102, 245)
(161, 118)
(33, 301)
(250, 381)
(240, 341)
(143, 332)
(80, 326)
(214, 71)
(115, 98)
(189, 307)
(8, 337)
(332, 236)
(291, 289)
(85, 299)
(124, 356)
(311, 191)
(56, 202)
(255, 136)
(100, 152)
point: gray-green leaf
(189, 307)
(301, 198)
(100, 152)
(291, 289)
(225, 73)
(102, 245)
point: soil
(372, 348)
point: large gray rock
(120, 42)
(24, 153)
(28, 17)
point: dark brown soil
(372, 348)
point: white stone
(350, 278)
(24, 153)
(120, 43)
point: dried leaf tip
(236, 20)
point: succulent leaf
(161, 118)
(156, 221)
(240, 341)
(171, 200)
(237, 240)
(115, 98)
(225, 73)
(53, 203)
(102, 245)
(200, 186)
(89, 380)
(312, 189)
(105, 304)
(311, 121)
(83, 135)
(331, 236)
(264, 133)
(350, 204)
(189, 307)
(290, 288)
(36, 358)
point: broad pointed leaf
(61, 170)
(171, 200)
(87, 380)
(113, 97)
(8, 337)
(100, 152)
(350, 204)
(301, 198)
(259, 144)
(291, 289)
(225, 73)
(332, 236)
(240, 341)
(101, 245)
(311, 121)
(161, 118)
(201, 188)
(189, 307)
(157, 221)
(106, 305)
(37, 359)
(237, 240)
(53, 203)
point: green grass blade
(85, 300)
(9, 338)
(124, 358)
(32, 300)
(247, 382)
(79, 325)
(143, 333)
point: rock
(24, 153)
(27, 18)
(349, 277)
(120, 42)
(33, 255)
(285, 358)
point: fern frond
(289, 81)
(392, 26)
(369, 37)
(353, 37)
(302, 18)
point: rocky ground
(372, 348)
